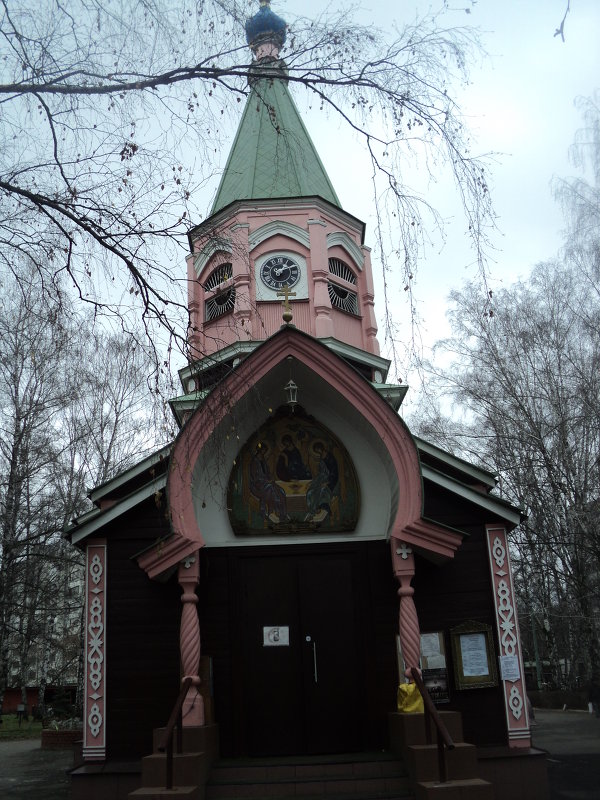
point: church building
(296, 552)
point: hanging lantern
(291, 394)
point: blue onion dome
(265, 26)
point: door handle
(309, 639)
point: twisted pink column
(403, 562)
(189, 640)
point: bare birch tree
(525, 377)
(75, 407)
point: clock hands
(280, 271)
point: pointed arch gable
(393, 435)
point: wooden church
(296, 552)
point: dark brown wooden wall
(453, 593)
(142, 635)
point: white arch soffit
(210, 248)
(376, 474)
(343, 240)
(278, 227)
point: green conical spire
(272, 155)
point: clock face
(280, 271)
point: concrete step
(189, 769)
(473, 789)
(202, 739)
(461, 762)
(341, 776)
(408, 729)
(156, 793)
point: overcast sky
(521, 106)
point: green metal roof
(272, 155)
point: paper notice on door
(432, 651)
(474, 655)
(276, 636)
(509, 668)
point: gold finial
(287, 309)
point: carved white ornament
(515, 702)
(95, 720)
(95, 643)
(499, 553)
(404, 551)
(506, 614)
(96, 569)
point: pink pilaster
(403, 562)
(94, 713)
(320, 273)
(368, 322)
(188, 576)
(193, 307)
(511, 658)
(241, 275)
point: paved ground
(572, 739)
(27, 771)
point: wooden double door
(301, 652)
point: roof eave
(496, 505)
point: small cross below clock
(286, 294)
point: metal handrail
(444, 740)
(176, 718)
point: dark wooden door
(300, 655)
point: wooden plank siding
(142, 654)
(457, 591)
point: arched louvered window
(340, 293)
(341, 270)
(223, 299)
(218, 276)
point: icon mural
(292, 476)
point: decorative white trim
(470, 471)
(101, 518)
(498, 552)
(514, 688)
(216, 245)
(95, 656)
(278, 227)
(95, 720)
(341, 239)
(94, 714)
(515, 701)
(124, 477)
(506, 612)
(486, 501)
